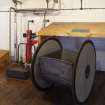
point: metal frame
(12, 9)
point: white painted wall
(84, 15)
(70, 16)
(4, 23)
(4, 31)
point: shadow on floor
(61, 95)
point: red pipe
(29, 44)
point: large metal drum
(52, 64)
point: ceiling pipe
(45, 10)
(81, 5)
(93, 8)
(51, 10)
(47, 2)
(16, 2)
(4, 11)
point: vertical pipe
(10, 36)
(59, 4)
(44, 20)
(15, 37)
(28, 25)
(10, 10)
(47, 2)
(81, 5)
(20, 36)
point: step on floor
(18, 71)
(4, 58)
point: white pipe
(15, 38)
(10, 10)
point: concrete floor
(19, 92)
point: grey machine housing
(52, 64)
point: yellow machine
(74, 29)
